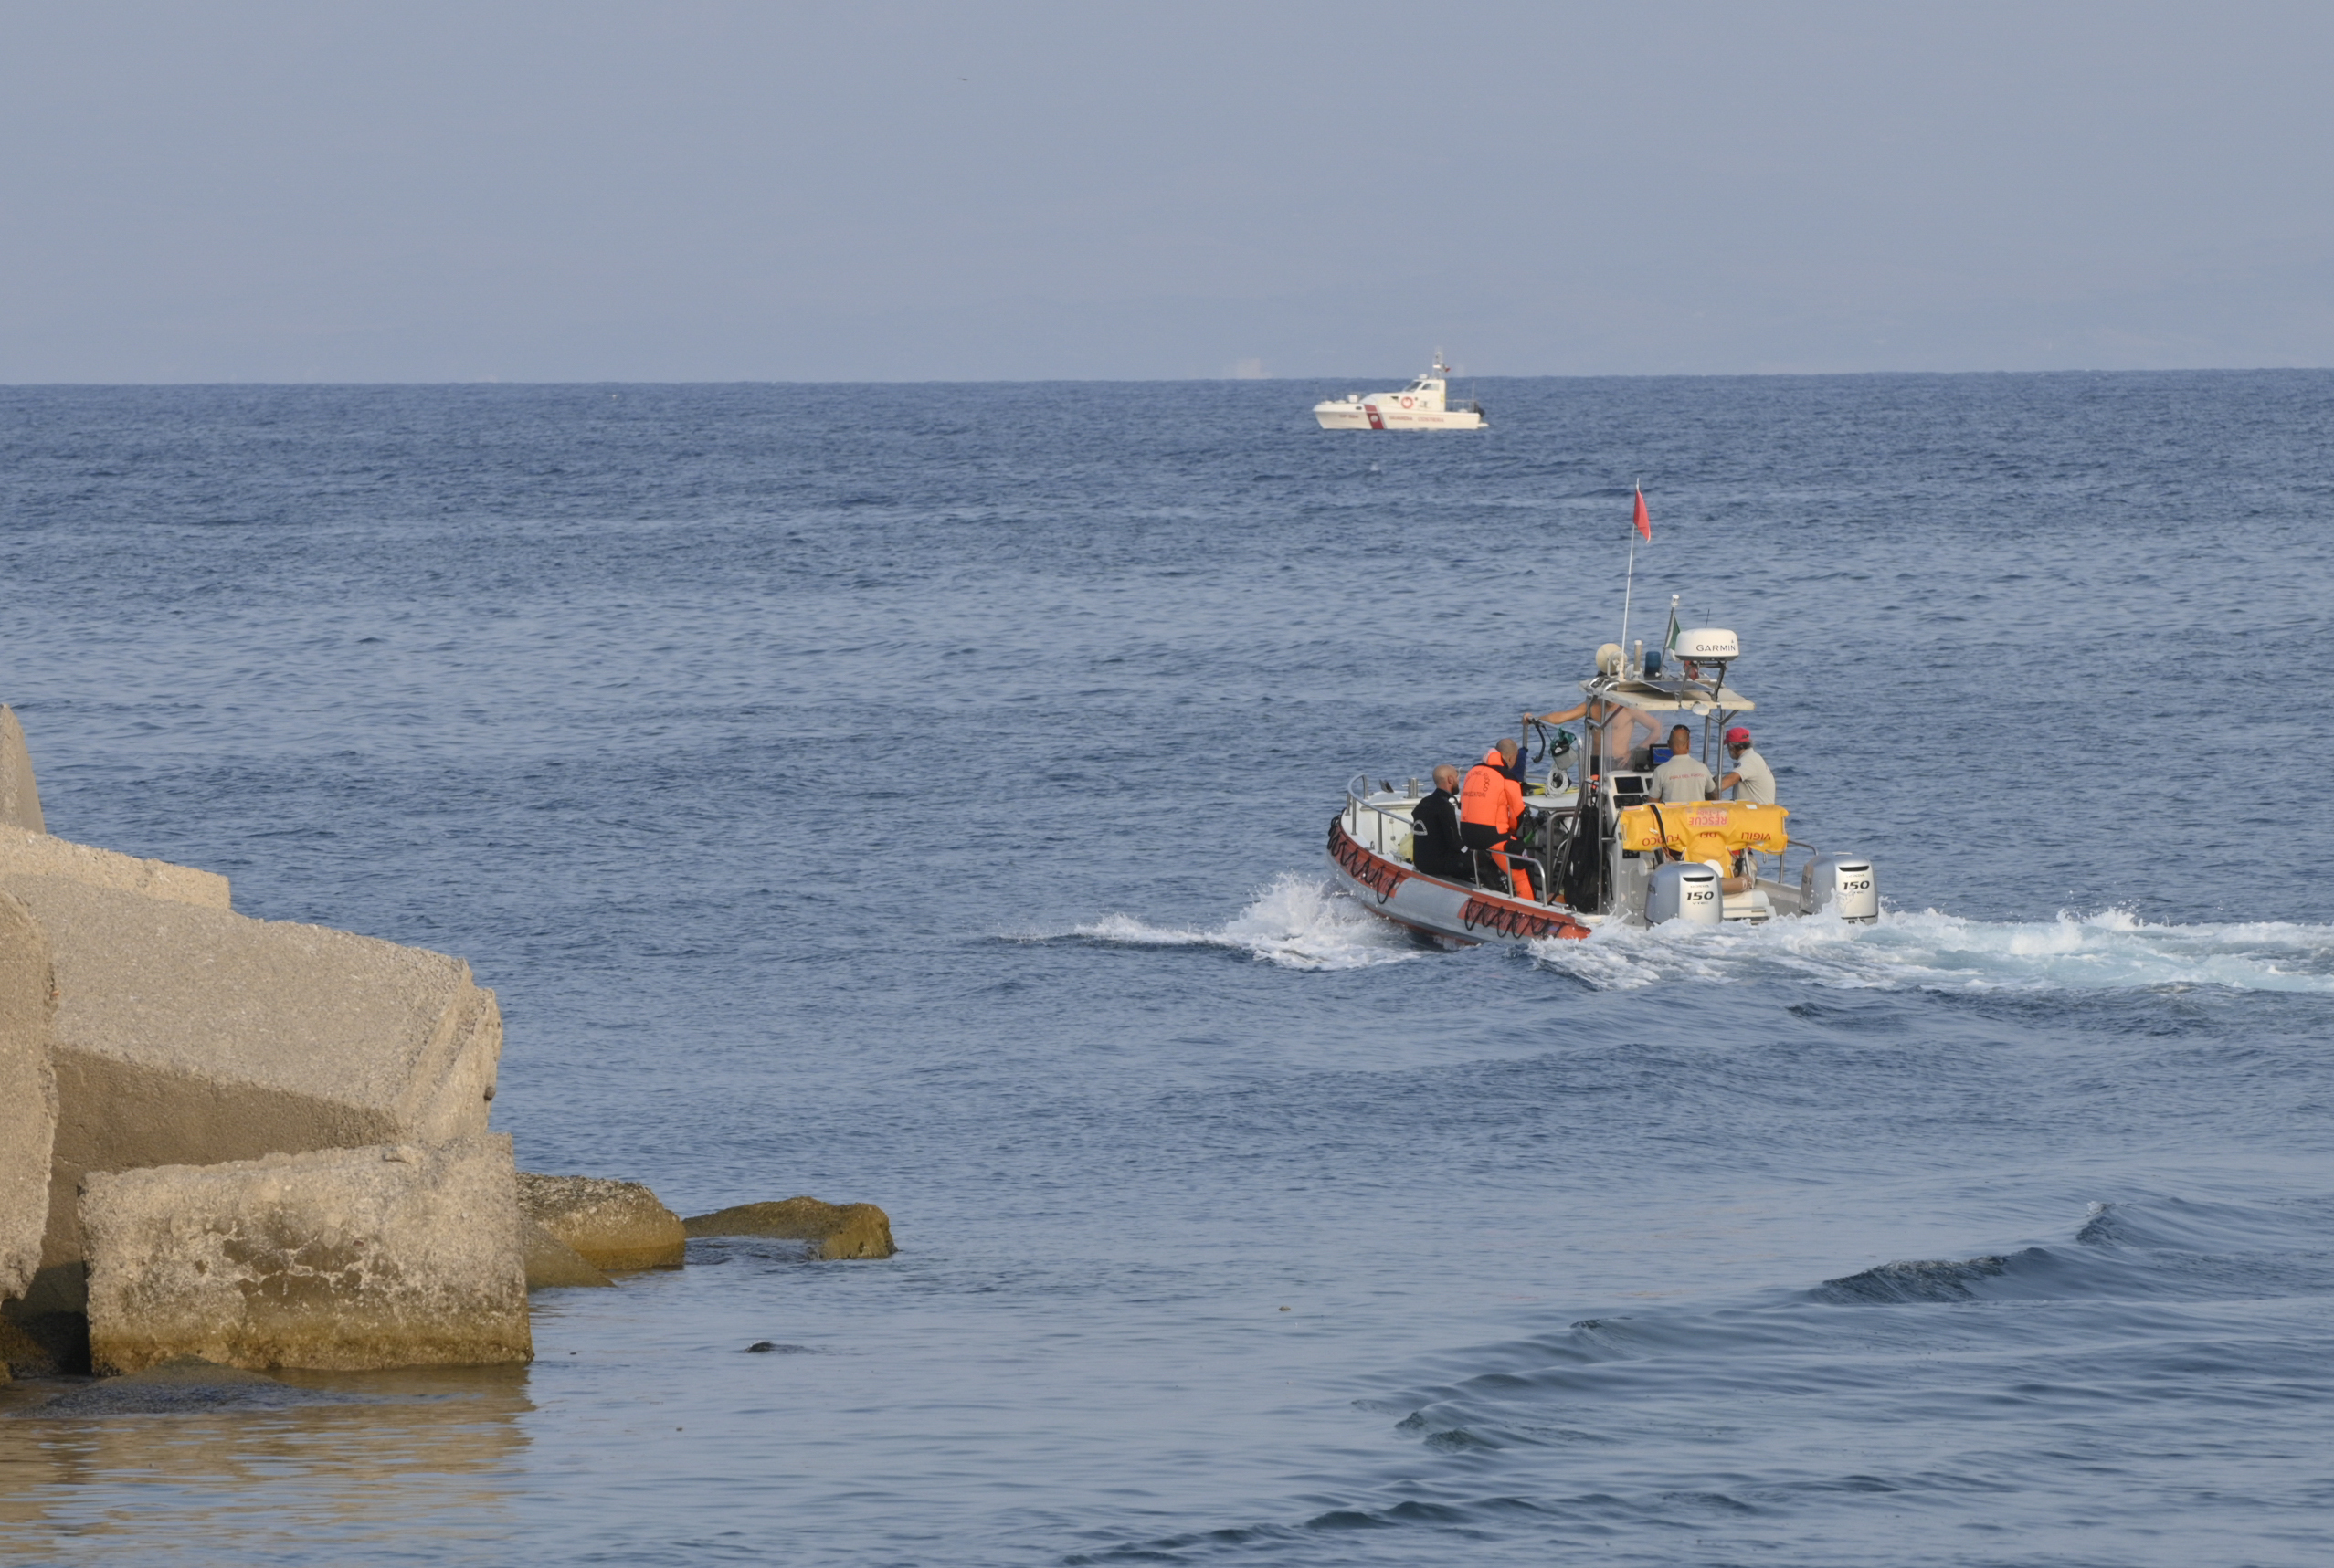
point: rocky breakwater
(254, 1141)
(264, 1143)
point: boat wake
(2112, 949)
(1298, 923)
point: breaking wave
(1930, 950)
(1298, 923)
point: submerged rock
(182, 1384)
(28, 1093)
(343, 1258)
(841, 1230)
(552, 1264)
(615, 1227)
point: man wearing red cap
(1752, 779)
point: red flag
(1645, 519)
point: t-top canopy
(1667, 696)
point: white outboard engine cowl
(1841, 882)
(1684, 891)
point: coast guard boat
(1596, 843)
(1422, 405)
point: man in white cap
(1752, 779)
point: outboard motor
(1844, 882)
(1684, 891)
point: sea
(916, 795)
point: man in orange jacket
(1490, 804)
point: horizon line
(1164, 379)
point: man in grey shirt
(1752, 779)
(1683, 779)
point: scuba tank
(1557, 747)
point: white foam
(1298, 923)
(1932, 951)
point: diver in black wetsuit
(1436, 849)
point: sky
(698, 191)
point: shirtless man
(1613, 729)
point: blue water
(915, 794)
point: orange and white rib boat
(1598, 844)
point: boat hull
(1452, 910)
(1390, 416)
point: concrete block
(841, 1230)
(28, 1093)
(27, 852)
(189, 1035)
(616, 1225)
(340, 1260)
(19, 795)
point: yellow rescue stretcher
(1711, 830)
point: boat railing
(1782, 859)
(1357, 801)
(1357, 792)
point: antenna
(1631, 587)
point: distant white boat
(1422, 405)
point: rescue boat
(1423, 405)
(1596, 843)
